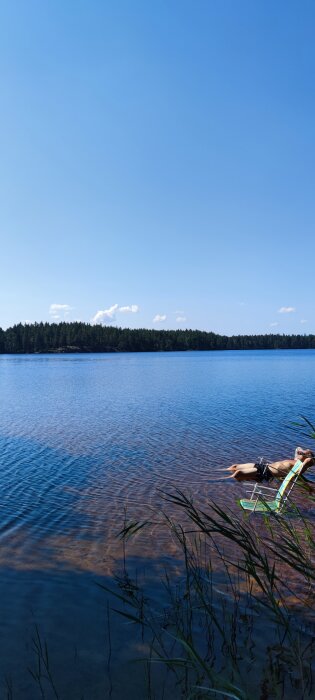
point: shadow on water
(86, 444)
(88, 652)
(57, 540)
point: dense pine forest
(83, 337)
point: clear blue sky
(158, 155)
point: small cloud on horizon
(109, 315)
(303, 320)
(159, 317)
(180, 316)
(58, 311)
(286, 310)
(275, 323)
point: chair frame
(259, 493)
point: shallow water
(84, 438)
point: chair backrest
(289, 479)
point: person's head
(303, 454)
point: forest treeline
(83, 337)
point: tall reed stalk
(239, 621)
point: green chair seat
(259, 506)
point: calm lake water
(85, 438)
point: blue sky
(157, 163)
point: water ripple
(86, 441)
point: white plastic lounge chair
(259, 503)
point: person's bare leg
(245, 473)
(246, 465)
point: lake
(88, 441)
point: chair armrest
(260, 489)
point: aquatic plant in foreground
(250, 631)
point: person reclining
(265, 471)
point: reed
(41, 671)
(238, 622)
(253, 633)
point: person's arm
(307, 463)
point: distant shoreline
(77, 337)
(69, 351)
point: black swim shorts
(263, 471)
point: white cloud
(58, 311)
(159, 317)
(275, 323)
(109, 315)
(304, 320)
(286, 310)
(133, 309)
(105, 315)
(55, 308)
(180, 316)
